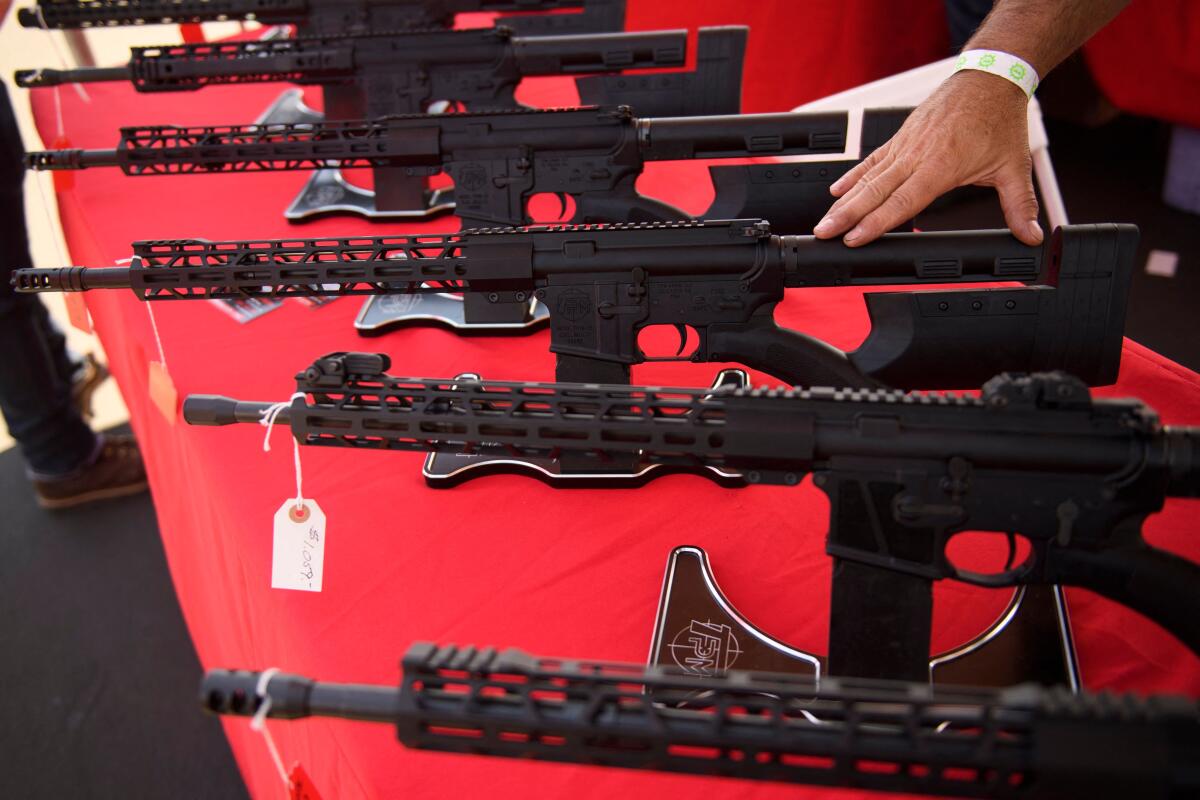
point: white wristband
(1006, 65)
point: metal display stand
(698, 630)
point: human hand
(972, 130)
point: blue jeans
(35, 370)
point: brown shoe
(117, 472)
(91, 374)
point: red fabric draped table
(503, 560)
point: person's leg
(65, 364)
(35, 395)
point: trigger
(1012, 550)
(682, 331)
(562, 205)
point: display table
(498, 561)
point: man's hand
(972, 130)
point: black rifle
(499, 160)
(318, 17)
(1023, 742)
(604, 285)
(374, 75)
(1034, 457)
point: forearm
(1043, 32)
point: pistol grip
(796, 358)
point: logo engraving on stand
(328, 195)
(705, 648)
(399, 303)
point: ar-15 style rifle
(499, 160)
(1034, 457)
(379, 74)
(604, 285)
(319, 17)
(1023, 742)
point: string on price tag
(163, 393)
(298, 543)
(299, 785)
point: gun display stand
(381, 313)
(699, 631)
(328, 192)
(444, 470)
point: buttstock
(957, 339)
(715, 87)
(1157, 584)
(793, 197)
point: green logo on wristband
(1017, 71)
(987, 60)
(962, 62)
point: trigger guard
(1010, 576)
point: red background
(500, 561)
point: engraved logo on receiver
(472, 178)
(705, 648)
(574, 305)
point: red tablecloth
(500, 561)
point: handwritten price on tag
(311, 544)
(298, 551)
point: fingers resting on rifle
(871, 191)
(900, 204)
(1017, 198)
(971, 130)
(842, 184)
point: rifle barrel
(70, 279)
(294, 697)
(43, 160)
(214, 410)
(37, 78)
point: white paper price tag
(298, 557)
